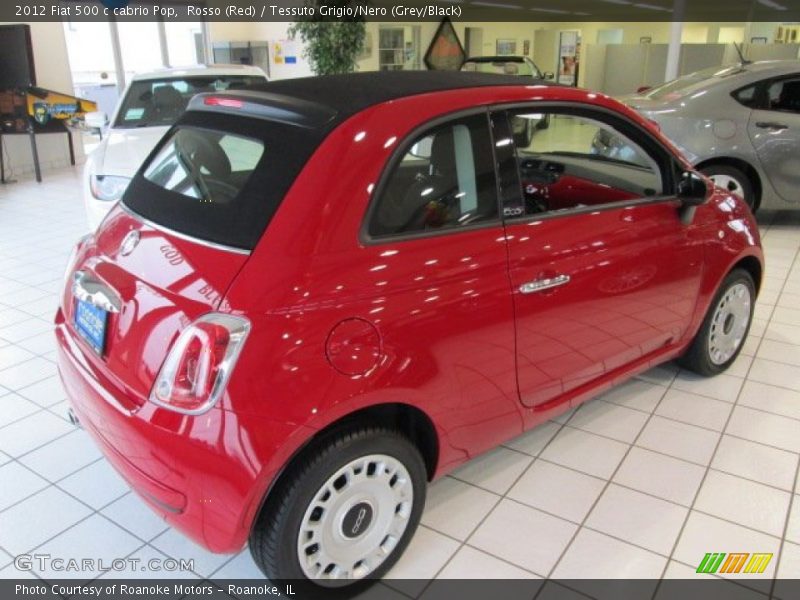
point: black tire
(698, 357)
(742, 184)
(274, 539)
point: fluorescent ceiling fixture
(771, 4)
(557, 11)
(498, 5)
(652, 7)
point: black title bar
(713, 11)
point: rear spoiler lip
(271, 107)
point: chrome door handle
(94, 291)
(771, 125)
(543, 284)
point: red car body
(431, 328)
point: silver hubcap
(729, 323)
(726, 182)
(355, 520)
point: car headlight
(108, 188)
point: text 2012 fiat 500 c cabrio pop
(316, 297)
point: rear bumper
(204, 475)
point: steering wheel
(218, 189)
(206, 154)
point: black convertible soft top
(289, 119)
(330, 99)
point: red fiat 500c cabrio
(316, 297)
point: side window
(747, 96)
(445, 180)
(784, 95)
(567, 161)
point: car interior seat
(428, 202)
(166, 104)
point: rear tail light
(73, 255)
(226, 102)
(196, 371)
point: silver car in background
(739, 125)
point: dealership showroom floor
(638, 483)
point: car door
(435, 258)
(774, 129)
(603, 272)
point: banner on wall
(569, 56)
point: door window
(748, 96)
(566, 161)
(784, 95)
(444, 180)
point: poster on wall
(506, 47)
(284, 52)
(569, 56)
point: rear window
(159, 102)
(208, 166)
(220, 178)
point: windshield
(677, 88)
(159, 102)
(503, 67)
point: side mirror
(692, 188)
(692, 192)
(549, 75)
(96, 120)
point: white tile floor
(640, 482)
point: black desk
(52, 126)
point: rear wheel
(345, 513)
(733, 180)
(725, 326)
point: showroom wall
(52, 72)
(262, 32)
(544, 36)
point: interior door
(775, 132)
(603, 272)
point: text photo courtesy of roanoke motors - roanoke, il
(402, 300)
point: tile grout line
(602, 492)
(783, 541)
(713, 455)
(502, 497)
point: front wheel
(734, 181)
(343, 515)
(725, 326)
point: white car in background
(150, 105)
